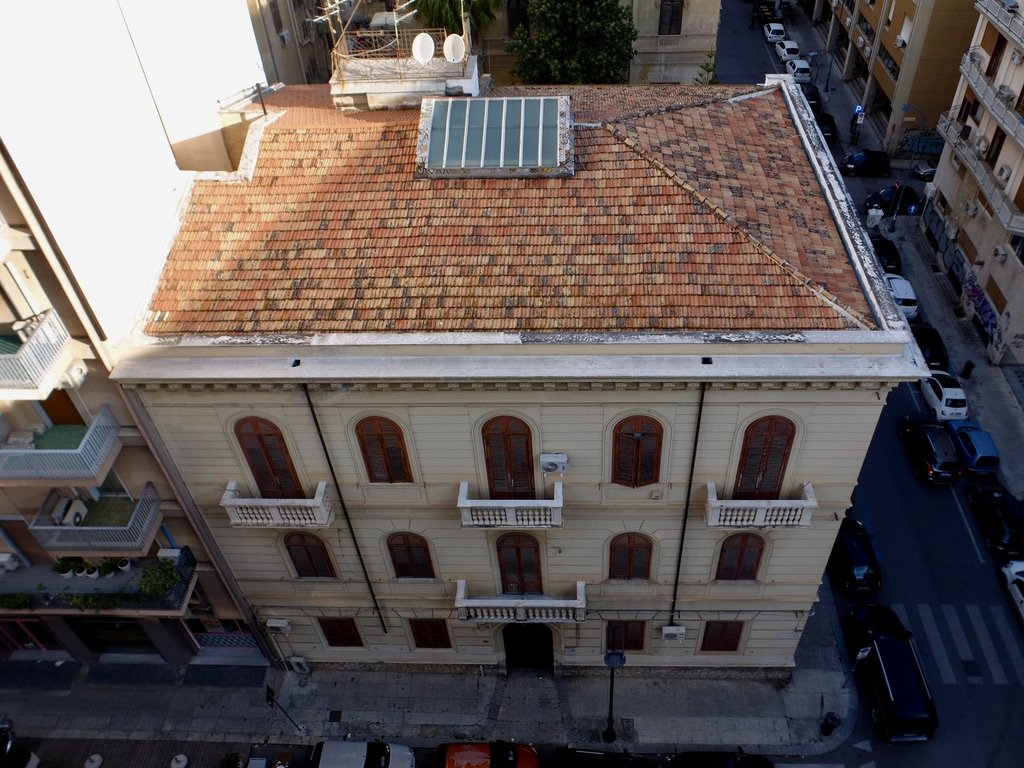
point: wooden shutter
(341, 633)
(636, 452)
(739, 557)
(722, 636)
(430, 633)
(309, 556)
(267, 456)
(519, 563)
(625, 635)
(766, 446)
(383, 449)
(670, 17)
(410, 556)
(630, 557)
(508, 453)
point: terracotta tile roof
(686, 212)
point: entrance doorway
(528, 647)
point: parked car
(1000, 518)
(903, 294)
(719, 760)
(866, 162)
(787, 50)
(975, 447)
(897, 198)
(944, 396)
(586, 758)
(853, 564)
(13, 754)
(361, 754)
(931, 449)
(890, 674)
(1013, 578)
(799, 69)
(923, 170)
(493, 754)
(888, 254)
(827, 124)
(931, 344)
(774, 32)
(813, 96)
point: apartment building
(974, 216)
(294, 46)
(900, 55)
(516, 380)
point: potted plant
(159, 578)
(65, 566)
(124, 564)
(92, 571)
(107, 567)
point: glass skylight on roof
(522, 136)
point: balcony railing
(760, 513)
(966, 149)
(522, 608)
(999, 106)
(85, 462)
(317, 512)
(1010, 22)
(43, 355)
(510, 513)
(135, 535)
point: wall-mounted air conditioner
(286, 36)
(901, 42)
(849, 21)
(554, 462)
(972, 208)
(1003, 172)
(168, 555)
(860, 42)
(673, 633)
(1005, 94)
(1001, 253)
(981, 144)
(279, 626)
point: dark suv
(931, 449)
(888, 254)
(1000, 518)
(853, 565)
(866, 162)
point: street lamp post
(613, 660)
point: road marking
(988, 650)
(968, 527)
(931, 629)
(963, 648)
(1009, 637)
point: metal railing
(522, 608)
(999, 107)
(84, 462)
(510, 513)
(1010, 21)
(760, 513)
(317, 512)
(381, 43)
(44, 341)
(133, 536)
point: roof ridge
(716, 210)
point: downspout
(689, 492)
(344, 508)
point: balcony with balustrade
(1008, 21)
(35, 354)
(999, 100)
(77, 455)
(510, 513)
(522, 608)
(317, 512)
(760, 513)
(114, 524)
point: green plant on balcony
(100, 602)
(107, 566)
(16, 601)
(159, 578)
(66, 565)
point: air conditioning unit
(68, 512)
(1001, 253)
(1005, 94)
(1003, 172)
(279, 626)
(673, 633)
(860, 42)
(168, 555)
(299, 664)
(849, 21)
(74, 377)
(901, 42)
(972, 208)
(554, 462)
(981, 144)
(286, 36)
(1017, 56)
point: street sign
(858, 110)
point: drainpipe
(344, 508)
(689, 491)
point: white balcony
(317, 512)
(537, 609)
(760, 513)
(1000, 105)
(111, 524)
(35, 354)
(80, 455)
(510, 513)
(1010, 22)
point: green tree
(575, 42)
(433, 14)
(706, 76)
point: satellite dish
(454, 48)
(423, 48)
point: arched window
(630, 557)
(739, 557)
(519, 562)
(636, 451)
(766, 446)
(309, 556)
(410, 556)
(267, 455)
(383, 449)
(508, 453)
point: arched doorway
(528, 647)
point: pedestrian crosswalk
(967, 644)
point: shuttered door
(508, 452)
(268, 459)
(637, 452)
(519, 562)
(766, 446)
(383, 449)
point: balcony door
(508, 453)
(766, 446)
(61, 410)
(519, 562)
(267, 455)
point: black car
(931, 344)
(827, 124)
(13, 754)
(719, 760)
(900, 196)
(587, 758)
(931, 449)
(853, 565)
(924, 170)
(1000, 517)
(813, 96)
(888, 254)
(866, 162)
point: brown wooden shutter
(267, 456)
(766, 446)
(636, 449)
(739, 557)
(341, 633)
(519, 563)
(722, 636)
(410, 556)
(430, 633)
(508, 453)
(383, 449)
(670, 17)
(309, 556)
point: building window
(766, 446)
(630, 557)
(275, 15)
(383, 448)
(636, 452)
(508, 453)
(739, 557)
(267, 456)
(722, 636)
(519, 563)
(670, 18)
(309, 556)
(410, 556)
(625, 635)
(518, 12)
(341, 633)
(430, 633)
